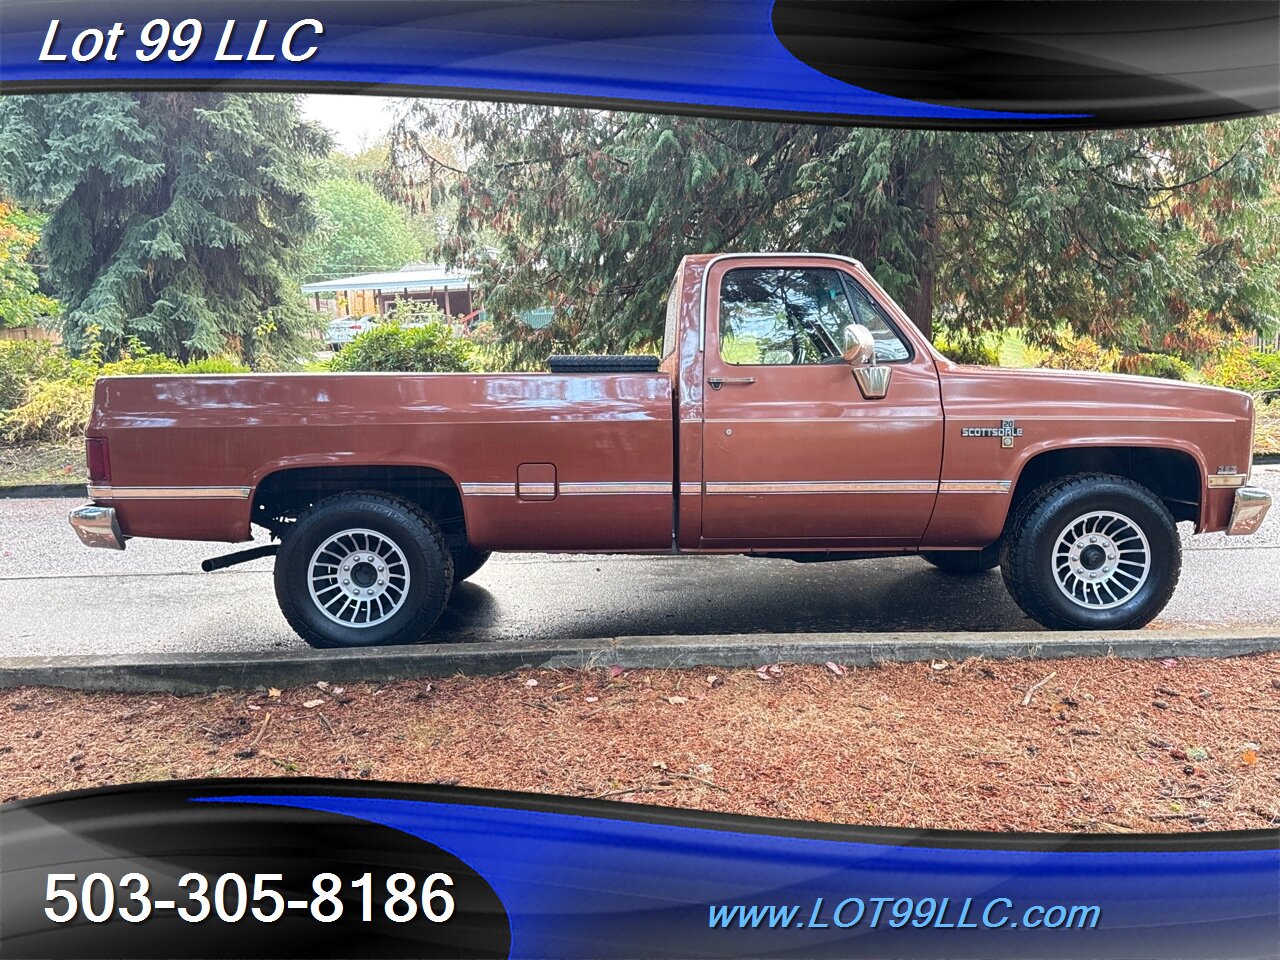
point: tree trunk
(919, 303)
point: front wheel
(467, 561)
(1092, 551)
(363, 569)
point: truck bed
(604, 443)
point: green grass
(39, 463)
(1014, 351)
(1266, 433)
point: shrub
(1155, 365)
(972, 352)
(389, 347)
(406, 311)
(1244, 368)
(53, 410)
(214, 365)
(1080, 353)
(55, 403)
(25, 361)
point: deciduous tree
(21, 302)
(358, 231)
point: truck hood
(1073, 393)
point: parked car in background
(342, 330)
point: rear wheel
(363, 569)
(1093, 551)
(964, 563)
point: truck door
(794, 455)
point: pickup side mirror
(859, 345)
(860, 353)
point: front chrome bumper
(1248, 511)
(97, 527)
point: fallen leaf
(273, 693)
(615, 671)
(1168, 662)
(712, 680)
(677, 701)
(323, 685)
(658, 765)
(1250, 757)
(339, 691)
(1197, 753)
(310, 704)
(592, 699)
(531, 682)
(838, 669)
(938, 665)
(770, 671)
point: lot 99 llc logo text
(181, 41)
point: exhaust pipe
(240, 556)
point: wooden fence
(29, 333)
(1265, 344)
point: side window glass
(781, 316)
(788, 316)
(889, 346)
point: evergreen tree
(1150, 237)
(175, 218)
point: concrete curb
(203, 672)
(35, 491)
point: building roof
(416, 276)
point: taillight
(95, 449)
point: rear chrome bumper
(1248, 511)
(97, 527)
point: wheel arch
(282, 494)
(1173, 473)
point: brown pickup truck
(795, 412)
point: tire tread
(289, 598)
(1016, 558)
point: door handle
(718, 382)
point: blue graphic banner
(384, 870)
(1018, 63)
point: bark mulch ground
(1080, 745)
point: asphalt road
(58, 597)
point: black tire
(467, 561)
(965, 563)
(1032, 538)
(427, 569)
